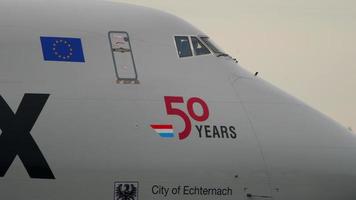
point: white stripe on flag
(164, 130)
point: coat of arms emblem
(126, 191)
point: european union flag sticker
(62, 49)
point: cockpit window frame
(201, 43)
(219, 52)
(190, 45)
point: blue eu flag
(62, 49)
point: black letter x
(16, 139)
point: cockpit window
(211, 45)
(183, 46)
(199, 47)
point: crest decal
(126, 191)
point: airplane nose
(304, 150)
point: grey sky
(305, 47)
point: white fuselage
(95, 130)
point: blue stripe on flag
(166, 135)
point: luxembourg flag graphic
(164, 130)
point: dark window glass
(183, 46)
(199, 47)
(211, 45)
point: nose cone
(308, 155)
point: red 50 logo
(166, 130)
(169, 101)
(204, 131)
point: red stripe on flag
(162, 126)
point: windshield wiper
(227, 55)
(222, 54)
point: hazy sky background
(305, 47)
